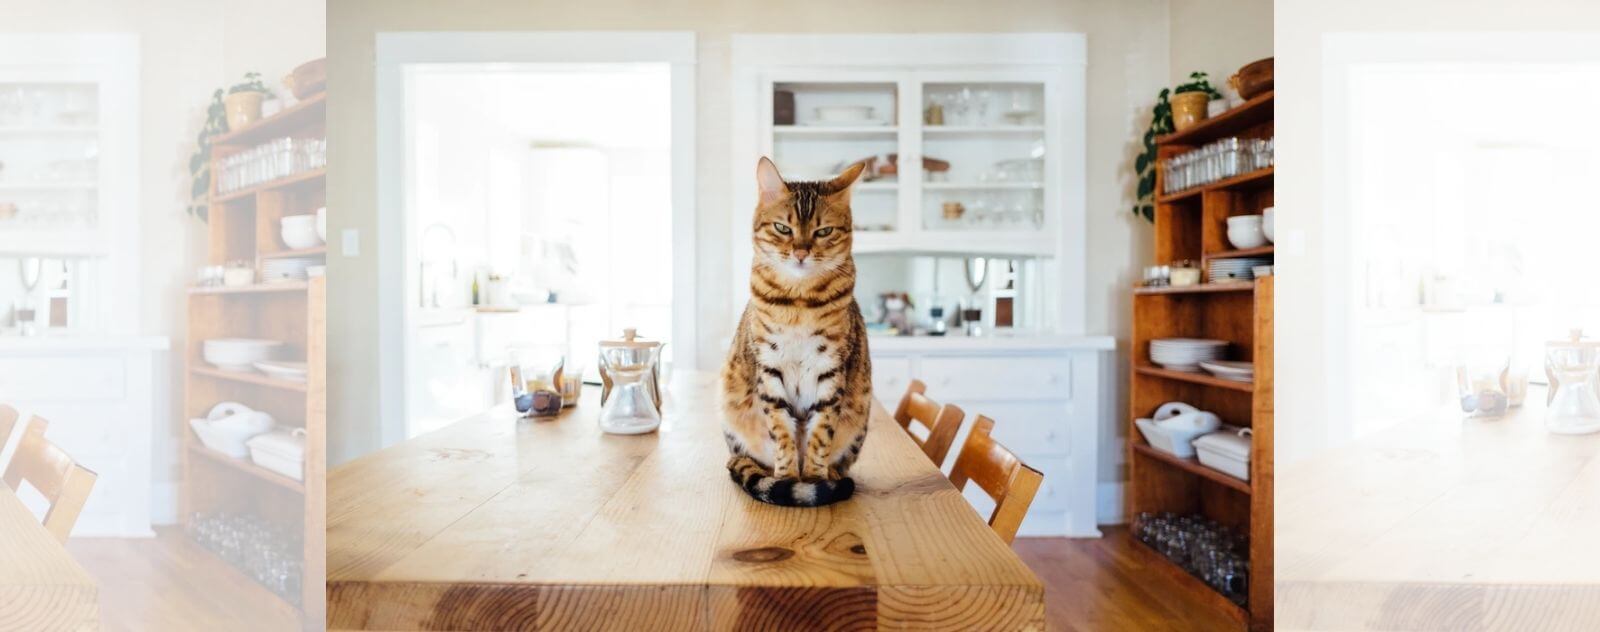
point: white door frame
(1344, 57)
(396, 217)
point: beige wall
(1300, 26)
(187, 49)
(1217, 37)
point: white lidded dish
(1227, 451)
(1174, 427)
(282, 451)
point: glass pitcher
(630, 375)
(1573, 367)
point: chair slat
(942, 422)
(996, 470)
(49, 469)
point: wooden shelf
(835, 132)
(1257, 178)
(1240, 253)
(982, 130)
(246, 378)
(286, 122)
(1156, 562)
(983, 186)
(244, 465)
(299, 179)
(255, 288)
(1196, 378)
(1249, 114)
(1192, 466)
(1203, 288)
(303, 252)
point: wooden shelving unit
(1192, 225)
(244, 225)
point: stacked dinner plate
(1230, 370)
(286, 269)
(1236, 269)
(1185, 354)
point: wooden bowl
(1254, 79)
(308, 79)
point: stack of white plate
(1185, 354)
(1230, 370)
(1236, 269)
(287, 269)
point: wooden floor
(1099, 586)
(169, 583)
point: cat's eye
(823, 232)
(782, 230)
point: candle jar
(536, 386)
(1484, 388)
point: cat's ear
(843, 184)
(769, 181)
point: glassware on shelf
(1573, 368)
(1220, 160)
(1201, 546)
(278, 158)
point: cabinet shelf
(244, 465)
(1192, 466)
(247, 378)
(1212, 599)
(313, 251)
(1257, 178)
(1249, 114)
(1241, 252)
(935, 131)
(835, 132)
(255, 288)
(295, 118)
(1196, 378)
(983, 186)
(313, 176)
(1203, 288)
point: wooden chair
(1001, 475)
(942, 422)
(48, 469)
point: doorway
(545, 204)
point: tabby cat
(797, 386)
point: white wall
(1300, 27)
(187, 49)
(1217, 37)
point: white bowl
(1244, 220)
(1266, 223)
(297, 239)
(1246, 237)
(238, 354)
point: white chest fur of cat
(801, 357)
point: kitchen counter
(41, 587)
(995, 342)
(1444, 523)
(500, 522)
(82, 342)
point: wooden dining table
(41, 587)
(500, 522)
(1444, 523)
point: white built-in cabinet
(1012, 130)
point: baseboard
(1108, 503)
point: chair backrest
(8, 421)
(941, 421)
(48, 468)
(1001, 475)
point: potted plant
(244, 100)
(1144, 166)
(200, 161)
(1189, 101)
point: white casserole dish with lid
(282, 451)
(1227, 451)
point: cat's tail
(763, 486)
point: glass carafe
(630, 396)
(1573, 367)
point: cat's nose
(800, 255)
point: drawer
(63, 378)
(890, 375)
(997, 377)
(1034, 427)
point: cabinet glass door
(49, 160)
(819, 128)
(983, 155)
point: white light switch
(351, 242)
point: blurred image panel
(1439, 454)
(161, 315)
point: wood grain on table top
(1444, 523)
(41, 587)
(496, 521)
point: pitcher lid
(630, 340)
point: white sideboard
(102, 396)
(1049, 396)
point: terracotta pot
(1188, 108)
(243, 108)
